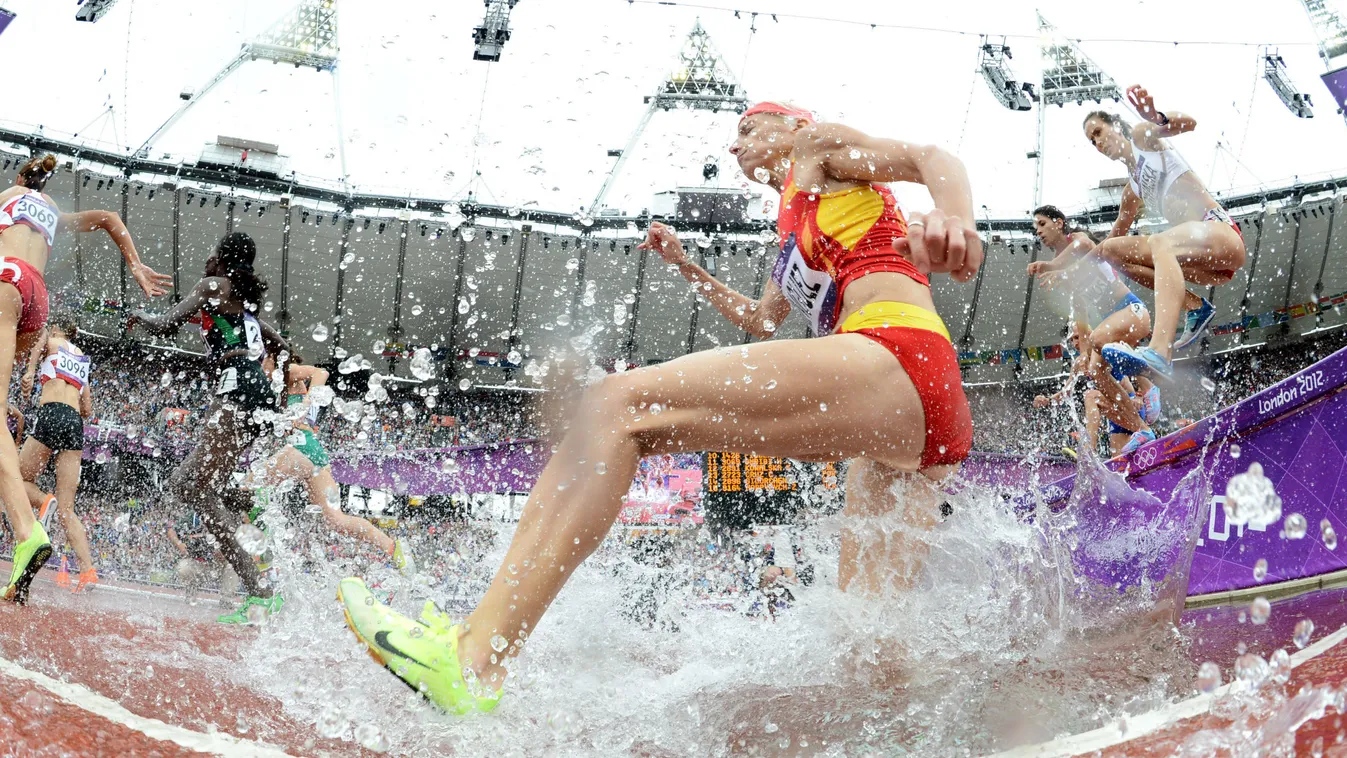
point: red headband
(778, 109)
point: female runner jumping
(305, 461)
(1098, 297)
(29, 220)
(880, 385)
(1202, 245)
(58, 427)
(236, 341)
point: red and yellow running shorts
(918, 339)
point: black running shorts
(58, 426)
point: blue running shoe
(1150, 405)
(1195, 323)
(1139, 438)
(1134, 361)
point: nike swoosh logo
(381, 639)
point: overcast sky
(571, 82)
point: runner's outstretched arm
(164, 324)
(759, 318)
(151, 282)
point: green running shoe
(422, 653)
(254, 610)
(402, 558)
(29, 556)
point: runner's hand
(1041, 401)
(1038, 268)
(1143, 103)
(940, 244)
(1051, 280)
(151, 282)
(664, 241)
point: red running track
(157, 657)
(167, 665)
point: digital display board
(741, 490)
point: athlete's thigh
(33, 457)
(1130, 325)
(832, 398)
(289, 463)
(221, 445)
(1206, 250)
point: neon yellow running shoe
(254, 610)
(422, 653)
(29, 556)
(402, 558)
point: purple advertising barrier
(505, 467)
(1013, 470)
(1297, 431)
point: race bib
(229, 381)
(812, 292)
(30, 209)
(73, 368)
(252, 335)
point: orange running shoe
(88, 578)
(63, 576)
(46, 507)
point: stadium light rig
(1274, 71)
(92, 10)
(491, 36)
(994, 62)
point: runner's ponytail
(37, 171)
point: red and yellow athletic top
(831, 239)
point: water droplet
(422, 366)
(762, 175)
(768, 326)
(464, 384)
(499, 643)
(770, 385)
(1259, 610)
(1250, 499)
(855, 154)
(823, 407)
(1208, 677)
(1304, 630)
(417, 309)
(369, 736)
(1328, 534)
(122, 522)
(656, 409)
(1208, 384)
(463, 305)
(771, 728)
(251, 539)
(600, 468)
(1260, 570)
(514, 357)
(1252, 670)
(1234, 451)
(1295, 526)
(319, 332)
(467, 233)
(322, 395)
(330, 724)
(564, 319)
(378, 347)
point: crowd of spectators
(140, 392)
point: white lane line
(218, 743)
(1136, 727)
